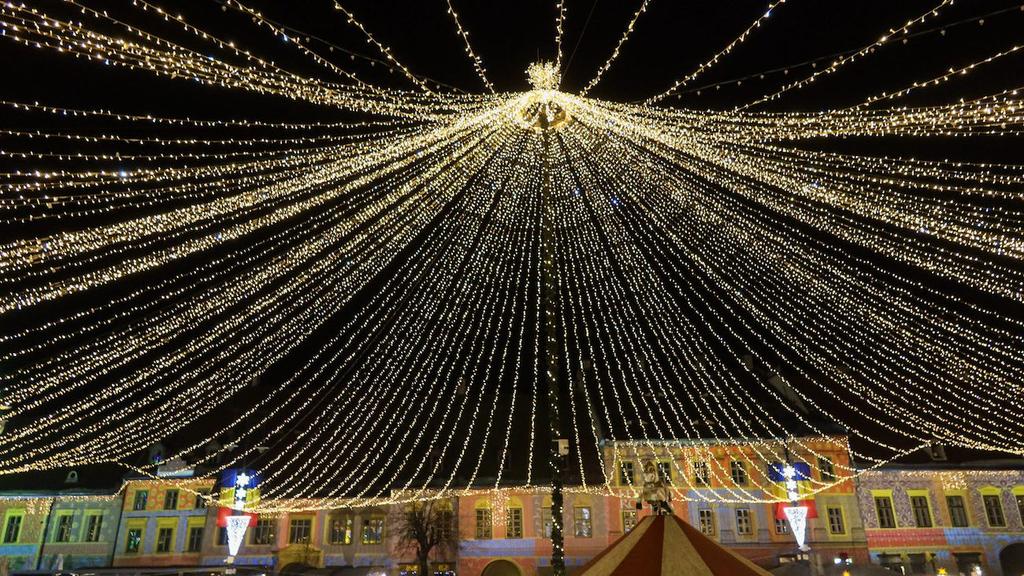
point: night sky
(670, 40)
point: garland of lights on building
(692, 246)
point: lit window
(340, 530)
(739, 472)
(164, 539)
(140, 500)
(263, 533)
(922, 514)
(781, 526)
(994, 511)
(883, 508)
(171, 500)
(706, 520)
(835, 520)
(133, 541)
(200, 500)
(514, 523)
(483, 524)
(299, 530)
(93, 526)
(744, 524)
(545, 522)
(957, 511)
(701, 474)
(582, 522)
(373, 530)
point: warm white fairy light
(686, 240)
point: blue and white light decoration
(239, 490)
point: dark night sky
(670, 40)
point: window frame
(298, 524)
(741, 467)
(963, 508)
(840, 515)
(633, 519)
(582, 517)
(59, 535)
(158, 542)
(92, 533)
(744, 517)
(371, 522)
(171, 494)
(547, 522)
(137, 526)
(711, 522)
(514, 523)
(701, 473)
(887, 497)
(347, 532)
(623, 480)
(916, 497)
(264, 527)
(144, 494)
(191, 538)
(826, 469)
(12, 514)
(998, 499)
(484, 524)
(663, 468)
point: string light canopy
(721, 273)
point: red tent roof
(667, 546)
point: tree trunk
(424, 566)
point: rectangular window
(883, 508)
(738, 470)
(339, 530)
(781, 526)
(994, 510)
(514, 523)
(447, 520)
(968, 563)
(1020, 507)
(62, 533)
(665, 472)
(164, 540)
(744, 524)
(628, 520)
(483, 523)
(957, 511)
(373, 530)
(140, 500)
(171, 500)
(545, 522)
(13, 529)
(582, 522)
(701, 474)
(922, 514)
(133, 541)
(195, 538)
(263, 533)
(626, 477)
(706, 519)
(826, 469)
(835, 520)
(299, 530)
(222, 536)
(93, 526)
(200, 502)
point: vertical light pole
(543, 113)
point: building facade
(921, 520)
(58, 529)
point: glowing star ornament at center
(797, 516)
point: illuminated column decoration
(797, 515)
(236, 533)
